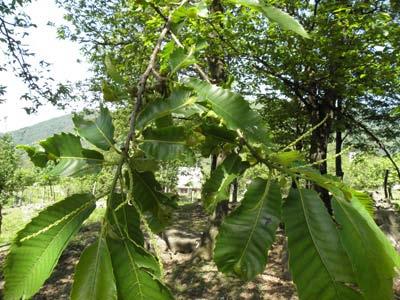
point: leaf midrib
(261, 204)
(306, 217)
(134, 267)
(138, 175)
(352, 223)
(37, 261)
(164, 113)
(94, 278)
(103, 134)
(164, 142)
(80, 158)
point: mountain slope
(32, 134)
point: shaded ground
(196, 279)
(188, 279)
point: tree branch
(377, 140)
(202, 74)
(316, 3)
(141, 87)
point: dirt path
(200, 279)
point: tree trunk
(217, 74)
(338, 160)
(235, 187)
(385, 184)
(338, 140)
(206, 245)
(214, 160)
(216, 66)
(390, 192)
(319, 144)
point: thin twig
(254, 152)
(318, 162)
(141, 88)
(201, 72)
(308, 132)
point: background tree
(24, 177)
(8, 165)
(341, 78)
(367, 171)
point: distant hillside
(42, 130)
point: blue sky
(62, 55)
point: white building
(190, 182)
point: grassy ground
(14, 219)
